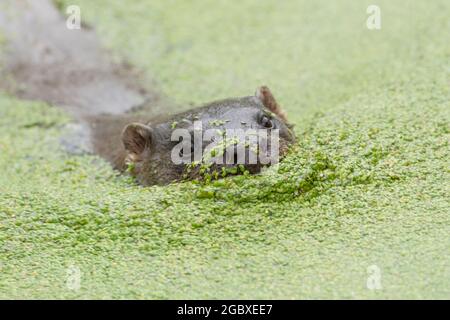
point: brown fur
(270, 103)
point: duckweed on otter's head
(365, 188)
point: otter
(147, 148)
(115, 114)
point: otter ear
(268, 100)
(136, 136)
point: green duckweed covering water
(366, 185)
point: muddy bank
(46, 61)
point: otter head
(224, 137)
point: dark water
(46, 61)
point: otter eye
(266, 122)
